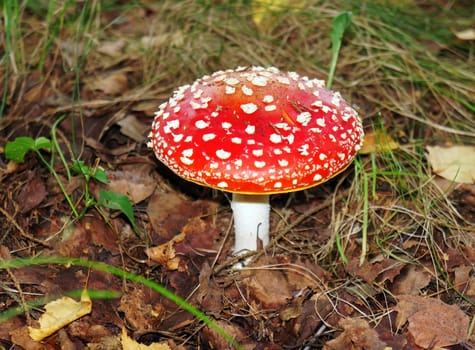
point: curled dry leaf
(432, 323)
(455, 163)
(165, 254)
(59, 313)
(130, 344)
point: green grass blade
(95, 265)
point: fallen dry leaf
(432, 322)
(112, 48)
(378, 271)
(455, 163)
(357, 335)
(165, 253)
(411, 281)
(60, 313)
(130, 344)
(136, 182)
(113, 83)
(378, 142)
(131, 127)
(32, 193)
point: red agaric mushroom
(254, 132)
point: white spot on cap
(270, 108)
(201, 124)
(249, 108)
(214, 165)
(303, 150)
(304, 118)
(278, 185)
(343, 135)
(238, 163)
(176, 109)
(283, 80)
(321, 122)
(317, 177)
(231, 81)
(258, 152)
(283, 162)
(250, 129)
(259, 81)
(275, 138)
(247, 91)
(317, 103)
(268, 99)
(186, 161)
(342, 156)
(226, 125)
(195, 105)
(236, 140)
(322, 156)
(222, 154)
(186, 154)
(229, 90)
(208, 137)
(283, 126)
(336, 99)
(259, 164)
(177, 138)
(198, 94)
(222, 184)
(294, 75)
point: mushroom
(254, 132)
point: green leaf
(340, 23)
(80, 168)
(43, 143)
(16, 150)
(97, 174)
(117, 201)
(100, 175)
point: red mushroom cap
(256, 130)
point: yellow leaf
(58, 314)
(378, 142)
(455, 163)
(130, 344)
(467, 34)
(264, 10)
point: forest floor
(380, 257)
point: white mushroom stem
(251, 221)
